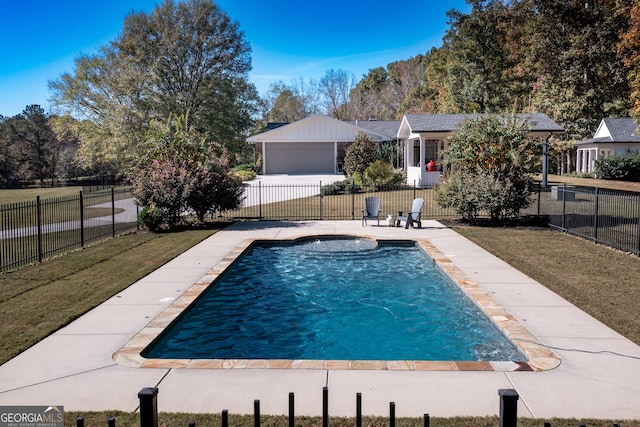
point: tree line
(575, 60)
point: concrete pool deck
(598, 377)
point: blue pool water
(334, 299)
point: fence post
(79, 422)
(392, 414)
(325, 407)
(320, 200)
(508, 407)
(260, 199)
(564, 206)
(225, 418)
(353, 200)
(539, 196)
(81, 220)
(358, 409)
(113, 213)
(595, 214)
(111, 421)
(291, 410)
(39, 222)
(148, 407)
(256, 413)
(426, 421)
(638, 232)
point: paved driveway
(127, 214)
(285, 187)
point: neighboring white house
(310, 145)
(613, 136)
(425, 138)
(316, 144)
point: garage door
(298, 157)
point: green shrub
(177, 173)
(473, 195)
(213, 188)
(493, 159)
(358, 178)
(619, 167)
(390, 153)
(162, 185)
(245, 175)
(339, 187)
(379, 174)
(360, 154)
(243, 167)
(151, 217)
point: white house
(316, 144)
(613, 136)
(425, 138)
(310, 145)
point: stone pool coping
(540, 357)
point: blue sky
(290, 39)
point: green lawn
(30, 194)
(600, 280)
(77, 282)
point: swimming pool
(539, 357)
(338, 298)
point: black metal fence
(33, 231)
(148, 396)
(607, 217)
(330, 201)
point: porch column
(585, 161)
(264, 157)
(587, 164)
(407, 153)
(422, 162)
(578, 160)
(545, 160)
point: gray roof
(384, 127)
(594, 141)
(274, 125)
(449, 122)
(622, 129)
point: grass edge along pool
(540, 358)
